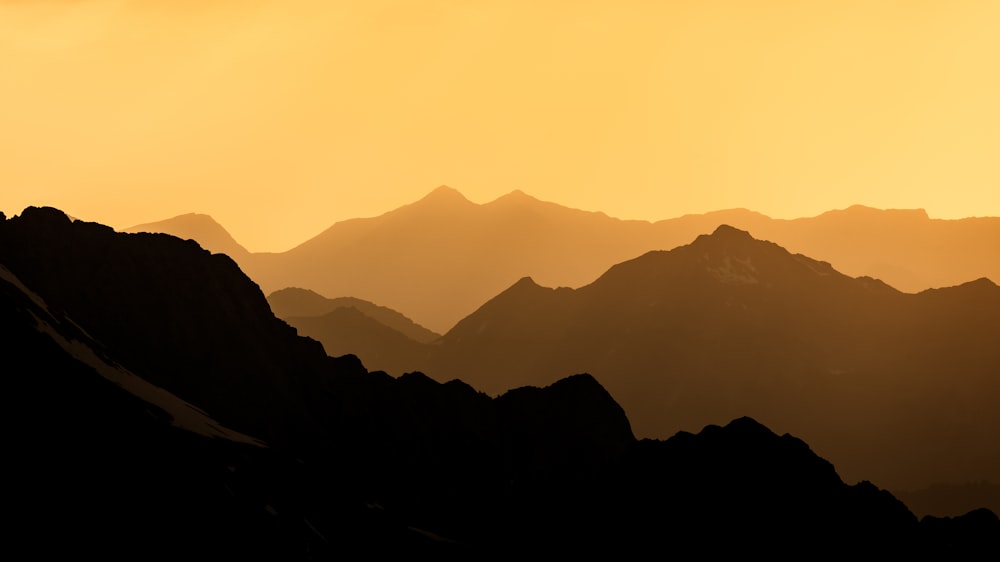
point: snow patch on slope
(183, 414)
(734, 271)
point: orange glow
(279, 118)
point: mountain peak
(727, 231)
(725, 235)
(45, 214)
(525, 283)
(442, 199)
(445, 193)
(199, 227)
(515, 196)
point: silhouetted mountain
(106, 463)
(765, 490)
(198, 227)
(295, 303)
(175, 314)
(438, 259)
(172, 313)
(348, 331)
(441, 257)
(354, 460)
(899, 387)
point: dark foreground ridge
(254, 443)
(901, 389)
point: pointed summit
(525, 282)
(726, 236)
(443, 193)
(443, 199)
(724, 230)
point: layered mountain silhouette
(302, 303)
(384, 339)
(201, 228)
(106, 463)
(899, 387)
(440, 258)
(111, 340)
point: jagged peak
(726, 234)
(45, 214)
(51, 219)
(525, 282)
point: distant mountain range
(302, 303)
(900, 387)
(898, 361)
(163, 410)
(440, 258)
(727, 325)
(384, 339)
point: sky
(281, 117)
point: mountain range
(908, 364)
(163, 411)
(900, 387)
(382, 338)
(298, 303)
(438, 259)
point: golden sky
(280, 117)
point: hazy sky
(280, 117)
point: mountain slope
(107, 464)
(200, 228)
(438, 259)
(193, 324)
(294, 302)
(348, 331)
(358, 461)
(896, 386)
